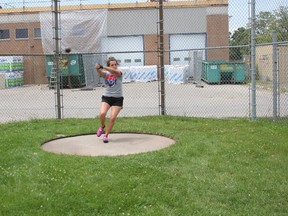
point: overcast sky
(238, 10)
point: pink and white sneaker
(100, 131)
(105, 139)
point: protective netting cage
(198, 58)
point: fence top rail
(136, 5)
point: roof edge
(136, 5)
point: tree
(282, 23)
(239, 38)
(266, 23)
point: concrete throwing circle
(119, 144)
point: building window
(176, 59)
(137, 60)
(21, 33)
(4, 34)
(37, 33)
(187, 59)
(127, 60)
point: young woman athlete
(112, 96)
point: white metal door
(133, 45)
(185, 41)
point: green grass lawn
(216, 167)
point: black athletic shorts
(113, 101)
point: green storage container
(71, 70)
(221, 71)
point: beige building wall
(283, 67)
(264, 63)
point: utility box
(221, 71)
(71, 70)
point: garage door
(130, 44)
(186, 41)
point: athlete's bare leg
(113, 115)
(103, 112)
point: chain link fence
(206, 57)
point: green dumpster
(71, 70)
(240, 72)
(222, 71)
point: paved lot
(141, 99)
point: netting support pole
(161, 56)
(253, 61)
(57, 59)
(275, 77)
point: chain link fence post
(275, 76)
(161, 56)
(57, 59)
(253, 61)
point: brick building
(187, 25)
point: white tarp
(173, 74)
(79, 30)
(178, 74)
